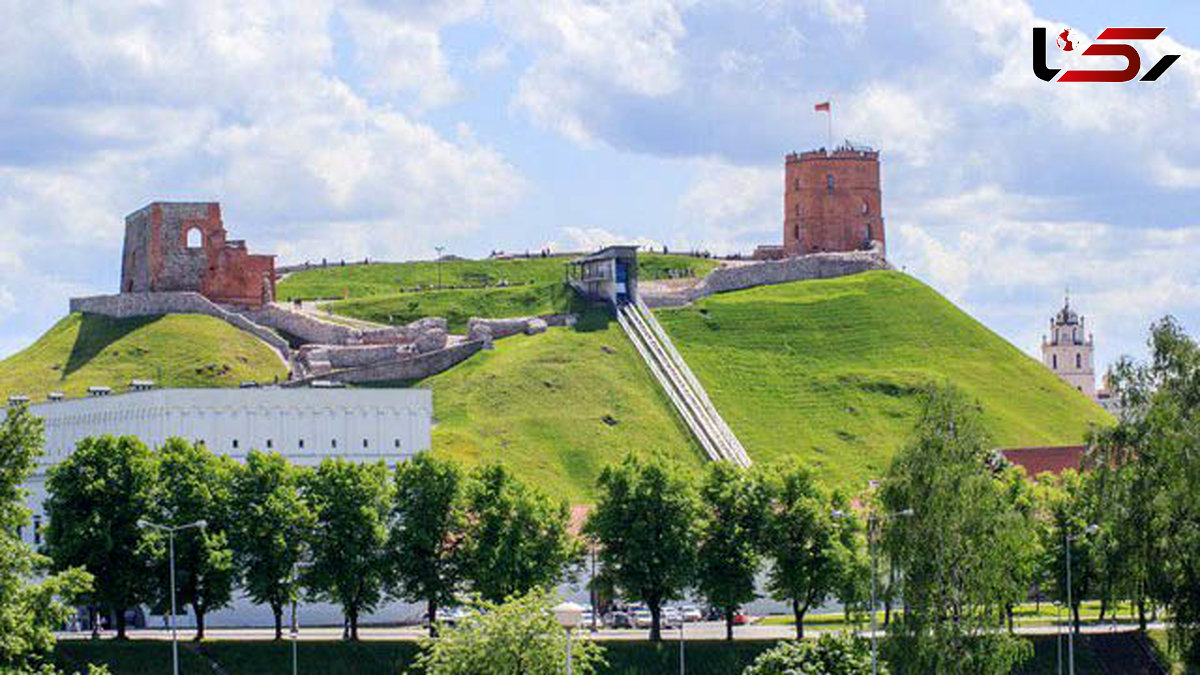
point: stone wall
(305, 327)
(127, 305)
(801, 268)
(477, 327)
(415, 368)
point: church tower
(1068, 350)
(832, 201)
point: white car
(642, 618)
(691, 613)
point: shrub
(830, 655)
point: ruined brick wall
(158, 258)
(832, 201)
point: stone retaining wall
(305, 327)
(413, 368)
(800, 268)
(128, 305)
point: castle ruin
(832, 201)
(182, 246)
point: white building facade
(304, 425)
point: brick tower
(832, 201)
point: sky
(384, 129)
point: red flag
(821, 107)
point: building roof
(610, 252)
(1042, 459)
(1066, 315)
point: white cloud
(592, 238)
(725, 203)
(911, 123)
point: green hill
(83, 350)
(360, 281)
(830, 371)
(459, 305)
(557, 407)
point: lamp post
(145, 524)
(295, 632)
(568, 615)
(1068, 538)
(872, 521)
(1058, 634)
(439, 250)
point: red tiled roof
(1054, 459)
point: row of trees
(347, 533)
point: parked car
(619, 620)
(691, 613)
(740, 619)
(642, 618)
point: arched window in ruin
(195, 238)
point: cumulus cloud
(592, 238)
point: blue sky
(383, 129)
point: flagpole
(829, 127)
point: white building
(304, 425)
(1068, 350)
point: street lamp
(1058, 633)
(872, 521)
(568, 615)
(145, 524)
(295, 632)
(1068, 538)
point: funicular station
(611, 275)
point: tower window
(301, 443)
(797, 210)
(396, 443)
(333, 442)
(1079, 361)
(366, 444)
(829, 183)
(796, 183)
(796, 230)
(37, 529)
(195, 238)
(235, 444)
(1054, 361)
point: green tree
(96, 497)
(517, 538)
(425, 544)
(518, 637)
(955, 548)
(733, 506)
(830, 655)
(29, 612)
(1067, 510)
(194, 484)
(644, 526)
(351, 503)
(1023, 570)
(801, 542)
(269, 530)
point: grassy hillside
(459, 305)
(830, 371)
(557, 407)
(360, 281)
(175, 350)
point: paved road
(705, 630)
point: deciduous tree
(955, 549)
(426, 540)
(734, 505)
(270, 526)
(194, 484)
(644, 525)
(29, 611)
(96, 497)
(517, 538)
(351, 503)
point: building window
(396, 443)
(235, 444)
(301, 443)
(333, 442)
(797, 209)
(21, 532)
(829, 183)
(796, 183)
(270, 444)
(366, 444)
(796, 231)
(866, 208)
(195, 238)
(1054, 361)
(1079, 361)
(37, 530)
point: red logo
(1133, 60)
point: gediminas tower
(832, 201)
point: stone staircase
(680, 384)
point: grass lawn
(557, 407)
(391, 658)
(830, 371)
(359, 281)
(459, 305)
(179, 350)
